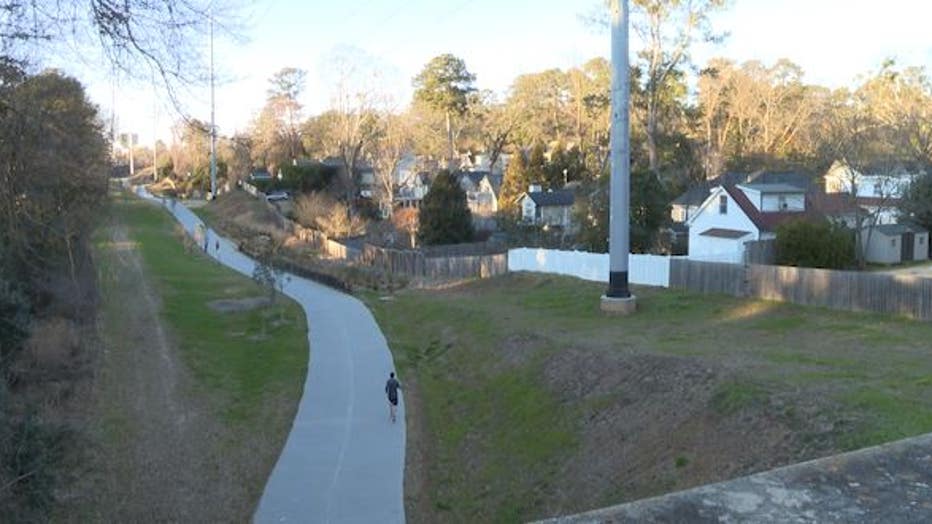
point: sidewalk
(343, 460)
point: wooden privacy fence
(707, 277)
(760, 251)
(908, 296)
(418, 264)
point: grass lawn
(192, 403)
(245, 356)
(525, 401)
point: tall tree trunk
(449, 142)
(652, 161)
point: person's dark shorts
(393, 400)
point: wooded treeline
(689, 122)
(54, 170)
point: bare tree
(755, 113)
(668, 28)
(492, 123)
(391, 144)
(851, 142)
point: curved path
(343, 460)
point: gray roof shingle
(560, 197)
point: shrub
(16, 317)
(323, 212)
(814, 244)
(306, 178)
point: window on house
(781, 202)
(922, 240)
(722, 205)
(892, 242)
(877, 189)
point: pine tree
(514, 183)
(444, 215)
(537, 165)
(559, 161)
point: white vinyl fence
(647, 270)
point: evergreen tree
(444, 215)
(916, 205)
(554, 169)
(649, 209)
(537, 165)
(514, 183)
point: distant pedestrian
(217, 246)
(391, 389)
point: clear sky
(834, 41)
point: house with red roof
(734, 214)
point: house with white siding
(547, 208)
(735, 214)
(878, 189)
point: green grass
(732, 397)
(244, 358)
(498, 434)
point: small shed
(895, 243)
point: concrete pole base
(618, 306)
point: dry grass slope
(528, 402)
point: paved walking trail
(343, 461)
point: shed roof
(891, 230)
(724, 233)
(770, 220)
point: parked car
(277, 195)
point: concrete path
(890, 483)
(343, 461)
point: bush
(814, 244)
(16, 317)
(29, 451)
(306, 178)
(323, 212)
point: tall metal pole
(155, 133)
(618, 298)
(132, 144)
(213, 126)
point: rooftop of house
(898, 229)
(697, 194)
(770, 220)
(775, 188)
(891, 167)
(834, 204)
(557, 198)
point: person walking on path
(391, 389)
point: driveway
(344, 459)
(924, 270)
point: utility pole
(213, 126)
(618, 299)
(132, 142)
(155, 133)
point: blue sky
(834, 41)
